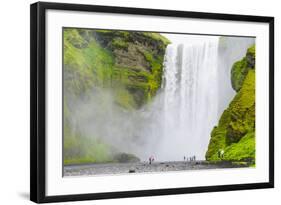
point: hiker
(220, 154)
(183, 158)
(194, 158)
(151, 159)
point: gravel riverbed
(140, 167)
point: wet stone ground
(141, 167)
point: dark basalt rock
(125, 158)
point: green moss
(157, 37)
(134, 87)
(238, 72)
(252, 51)
(243, 150)
(235, 133)
(85, 67)
(148, 56)
(241, 68)
(119, 43)
(73, 36)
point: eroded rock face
(138, 61)
(235, 133)
(131, 57)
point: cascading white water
(190, 98)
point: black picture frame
(38, 101)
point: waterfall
(189, 99)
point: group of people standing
(192, 158)
(151, 159)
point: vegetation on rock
(235, 133)
(241, 68)
(129, 63)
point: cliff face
(117, 59)
(241, 68)
(129, 64)
(235, 133)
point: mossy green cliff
(129, 63)
(241, 68)
(235, 132)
